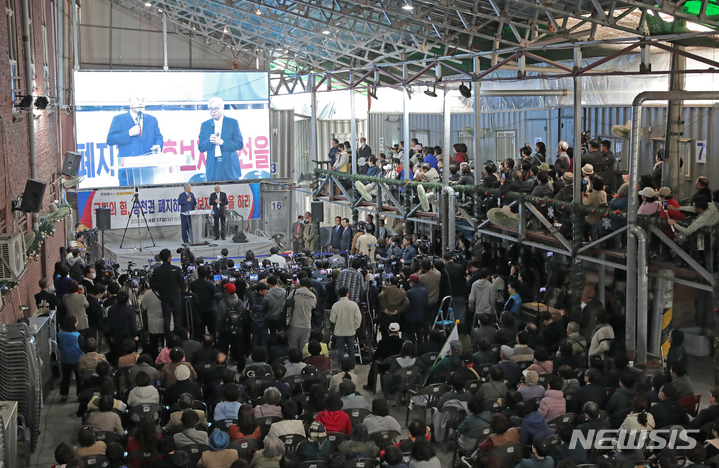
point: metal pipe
(521, 93)
(637, 309)
(449, 194)
(75, 37)
(164, 41)
(313, 121)
(28, 53)
(663, 299)
(577, 190)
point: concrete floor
(59, 423)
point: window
(422, 137)
(12, 46)
(45, 52)
(506, 145)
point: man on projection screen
(221, 139)
(135, 133)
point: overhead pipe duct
(522, 93)
(27, 48)
(634, 293)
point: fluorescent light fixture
(326, 32)
(408, 7)
(148, 4)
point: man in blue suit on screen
(135, 133)
(220, 140)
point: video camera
(187, 258)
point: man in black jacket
(121, 324)
(45, 295)
(457, 283)
(709, 414)
(205, 291)
(388, 346)
(218, 202)
(168, 283)
(592, 391)
(667, 412)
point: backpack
(233, 321)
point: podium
(197, 218)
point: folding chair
(302, 401)
(425, 398)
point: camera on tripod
(187, 258)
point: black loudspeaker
(102, 219)
(71, 164)
(239, 238)
(32, 196)
(318, 212)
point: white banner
(160, 204)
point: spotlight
(326, 32)
(465, 91)
(410, 91)
(408, 6)
(25, 102)
(372, 93)
(41, 103)
(258, 12)
(148, 4)
(431, 93)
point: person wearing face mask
(88, 278)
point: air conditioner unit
(12, 257)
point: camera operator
(391, 255)
(205, 290)
(168, 282)
(221, 263)
(367, 242)
(355, 282)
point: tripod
(136, 205)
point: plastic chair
(511, 454)
(357, 415)
(291, 441)
(265, 423)
(492, 404)
(428, 359)
(302, 401)
(141, 456)
(224, 424)
(336, 438)
(476, 435)
(456, 416)
(472, 386)
(246, 448)
(384, 439)
(425, 398)
(194, 451)
(312, 464)
(280, 361)
(691, 404)
(361, 463)
(154, 411)
(544, 380)
(385, 363)
(108, 437)
(562, 418)
(94, 461)
(408, 381)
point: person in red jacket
(332, 417)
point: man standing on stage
(218, 202)
(135, 134)
(168, 283)
(298, 233)
(309, 233)
(187, 202)
(221, 139)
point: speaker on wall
(318, 212)
(32, 196)
(71, 164)
(102, 218)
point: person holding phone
(221, 138)
(670, 207)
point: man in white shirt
(367, 242)
(275, 258)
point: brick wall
(15, 158)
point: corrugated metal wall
(282, 136)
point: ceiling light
(41, 102)
(465, 91)
(326, 32)
(224, 30)
(160, 10)
(407, 6)
(259, 12)
(431, 93)
(148, 4)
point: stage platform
(132, 245)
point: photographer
(168, 282)
(408, 252)
(276, 258)
(221, 263)
(205, 290)
(391, 255)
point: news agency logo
(628, 440)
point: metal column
(445, 214)
(313, 120)
(672, 173)
(75, 37)
(405, 123)
(578, 127)
(353, 125)
(477, 129)
(164, 41)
